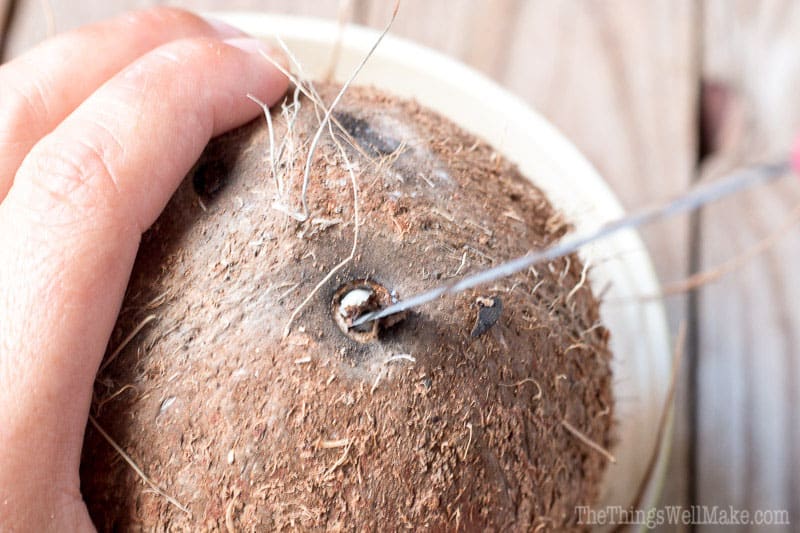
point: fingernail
(224, 29)
(250, 44)
(253, 46)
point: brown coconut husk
(425, 424)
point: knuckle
(67, 184)
(194, 50)
(21, 108)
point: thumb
(69, 231)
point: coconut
(237, 384)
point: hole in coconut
(210, 177)
(357, 298)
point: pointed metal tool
(693, 199)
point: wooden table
(657, 94)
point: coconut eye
(373, 139)
(353, 300)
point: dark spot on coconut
(427, 382)
(489, 311)
(218, 163)
(357, 298)
(428, 224)
(371, 139)
(210, 176)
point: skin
(90, 152)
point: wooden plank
(749, 367)
(5, 10)
(434, 24)
(5, 14)
(32, 17)
(618, 78)
(35, 20)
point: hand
(97, 129)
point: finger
(78, 206)
(40, 88)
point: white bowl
(639, 335)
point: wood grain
(748, 430)
(35, 20)
(5, 14)
(31, 20)
(5, 10)
(617, 78)
(620, 78)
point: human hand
(97, 129)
